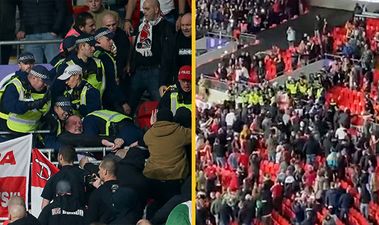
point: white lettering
(5, 196)
(185, 51)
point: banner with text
(14, 170)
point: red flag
(42, 170)
(14, 170)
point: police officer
(84, 97)
(25, 64)
(302, 85)
(178, 95)
(24, 99)
(68, 171)
(68, 45)
(113, 98)
(65, 209)
(113, 124)
(93, 69)
(54, 122)
(110, 203)
(291, 86)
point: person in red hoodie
(277, 195)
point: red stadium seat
(144, 113)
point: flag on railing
(14, 170)
(42, 170)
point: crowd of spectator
(88, 94)
(247, 16)
(292, 153)
(350, 42)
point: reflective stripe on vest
(175, 105)
(98, 53)
(28, 121)
(81, 101)
(91, 79)
(109, 117)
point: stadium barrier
(19, 43)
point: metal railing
(104, 150)
(25, 42)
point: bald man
(17, 212)
(123, 44)
(182, 52)
(152, 57)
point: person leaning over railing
(24, 100)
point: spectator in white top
(341, 133)
(230, 118)
(291, 36)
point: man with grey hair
(17, 213)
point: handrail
(31, 132)
(26, 42)
(368, 15)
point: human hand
(54, 34)
(83, 161)
(114, 49)
(127, 109)
(153, 117)
(162, 89)
(178, 21)
(128, 27)
(118, 142)
(97, 182)
(20, 35)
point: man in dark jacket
(8, 26)
(18, 214)
(151, 53)
(182, 52)
(110, 203)
(65, 209)
(311, 148)
(42, 20)
(346, 202)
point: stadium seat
(144, 113)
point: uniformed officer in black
(113, 98)
(69, 172)
(178, 95)
(110, 203)
(64, 210)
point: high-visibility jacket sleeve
(10, 102)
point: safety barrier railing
(25, 42)
(367, 15)
(104, 150)
(222, 85)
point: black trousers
(6, 51)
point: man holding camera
(111, 203)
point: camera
(90, 178)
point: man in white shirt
(230, 118)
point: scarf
(145, 37)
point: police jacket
(113, 96)
(93, 71)
(111, 124)
(84, 98)
(175, 92)
(42, 16)
(15, 97)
